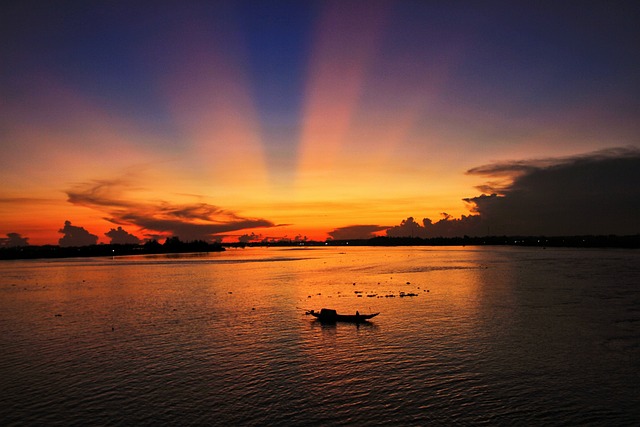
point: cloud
(76, 236)
(13, 240)
(190, 221)
(121, 237)
(448, 226)
(246, 238)
(595, 193)
(407, 228)
(354, 232)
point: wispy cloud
(189, 221)
(352, 232)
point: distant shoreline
(586, 241)
(54, 251)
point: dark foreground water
(496, 336)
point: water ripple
(220, 342)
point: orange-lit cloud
(189, 221)
(356, 232)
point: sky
(253, 120)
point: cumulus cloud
(13, 240)
(407, 228)
(191, 221)
(253, 237)
(448, 226)
(121, 237)
(596, 193)
(76, 236)
(355, 232)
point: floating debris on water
(408, 294)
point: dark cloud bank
(592, 194)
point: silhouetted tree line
(171, 245)
(610, 241)
(175, 245)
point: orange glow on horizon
(223, 120)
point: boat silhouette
(327, 315)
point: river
(465, 336)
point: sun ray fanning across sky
(251, 120)
(345, 43)
(207, 91)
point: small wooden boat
(327, 315)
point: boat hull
(330, 316)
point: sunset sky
(297, 118)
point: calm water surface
(497, 336)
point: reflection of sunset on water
(224, 336)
